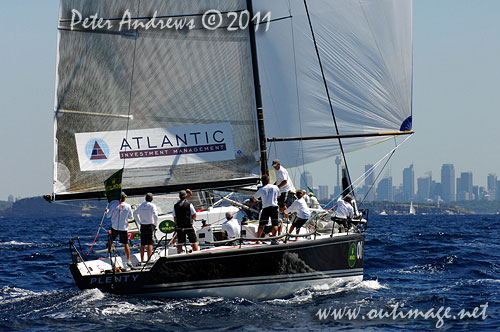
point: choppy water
(411, 262)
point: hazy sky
(456, 95)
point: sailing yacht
(412, 208)
(207, 109)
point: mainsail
(174, 108)
(365, 48)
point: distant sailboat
(412, 208)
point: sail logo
(156, 147)
(196, 142)
(355, 253)
(97, 150)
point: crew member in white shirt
(120, 213)
(344, 209)
(313, 202)
(269, 195)
(300, 207)
(284, 184)
(231, 227)
(147, 216)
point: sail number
(359, 250)
(213, 19)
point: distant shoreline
(34, 206)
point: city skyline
(452, 186)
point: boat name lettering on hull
(118, 279)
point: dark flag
(113, 186)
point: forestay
(365, 48)
(174, 108)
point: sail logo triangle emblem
(97, 150)
(97, 153)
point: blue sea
(447, 268)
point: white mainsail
(365, 48)
(173, 107)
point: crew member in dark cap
(184, 215)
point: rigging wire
(327, 92)
(363, 176)
(301, 142)
(131, 86)
(372, 169)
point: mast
(258, 93)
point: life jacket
(183, 214)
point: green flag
(113, 186)
(310, 190)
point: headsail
(366, 52)
(174, 108)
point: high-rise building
(492, 186)
(475, 193)
(11, 199)
(306, 180)
(424, 185)
(337, 162)
(448, 192)
(369, 181)
(323, 192)
(464, 187)
(408, 183)
(384, 190)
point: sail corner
(407, 124)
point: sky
(456, 101)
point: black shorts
(191, 235)
(299, 222)
(147, 235)
(123, 236)
(269, 212)
(283, 199)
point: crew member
(269, 195)
(184, 215)
(284, 184)
(344, 209)
(231, 227)
(313, 202)
(120, 213)
(147, 216)
(300, 207)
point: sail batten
(355, 135)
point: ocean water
(442, 267)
